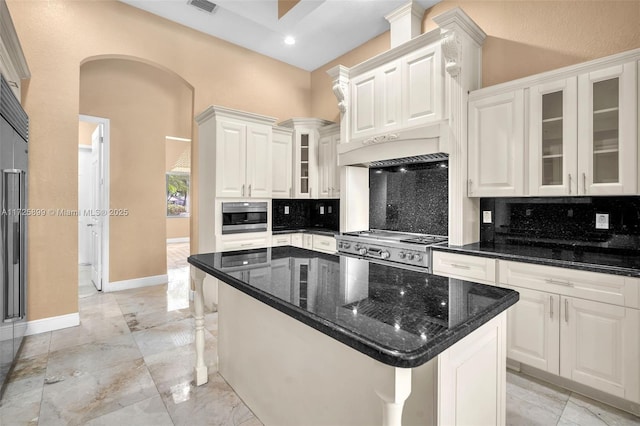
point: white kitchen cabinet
(553, 138)
(307, 241)
(281, 240)
(533, 332)
(282, 163)
(473, 268)
(607, 118)
(297, 240)
(404, 92)
(324, 244)
(234, 153)
(305, 155)
(581, 325)
(599, 346)
(242, 242)
(328, 171)
(496, 145)
(582, 136)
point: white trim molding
(136, 283)
(52, 323)
(177, 240)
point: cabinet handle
(551, 307)
(243, 189)
(569, 183)
(249, 190)
(560, 282)
(324, 243)
(246, 245)
(290, 192)
(584, 182)
(455, 265)
(310, 192)
(566, 310)
(470, 183)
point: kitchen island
(311, 338)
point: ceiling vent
(204, 5)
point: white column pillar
(197, 277)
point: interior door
(96, 209)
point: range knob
(417, 257)
(385, 254)
(401, 255)
(345, 245)
(362, 251)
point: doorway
(93, 202)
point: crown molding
(11, 43)
(224, 112)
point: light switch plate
(286, 209)
(602, 221)
(486, 216)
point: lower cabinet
(227, 243)
(587, 341)
(324, 244)
(315, 242)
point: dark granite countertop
(318, 231)
(577, 258)
(399, 317)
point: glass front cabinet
(582, 134)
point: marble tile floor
(131, 362)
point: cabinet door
(296, 240)
(231, 158)
(496, 146)
(307, 241)
(363, 108)
(387, 102)
(608, 120)
(599, 346)
(335, 186)
(281, 164)
(258, 162)
(305, 164)
(553, 136)
(325, 169)
(533, 330)
(422, 91)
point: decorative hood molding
(397, 104)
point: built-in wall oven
(240, 217)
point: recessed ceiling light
(289, 40)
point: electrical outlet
(329, 209)
(486, 216)
(602, 220)
(321, 209)
(286, 209)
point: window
(177, 194)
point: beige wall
(85, 130)
(143, 104)
(524, 37)
(57, 37)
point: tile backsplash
(589, 222)
(410, 198)
(290, 214)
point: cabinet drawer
(281, 240)
(243, 244)
(296, 240)
(613, 289)
(325, 244)
(472, 268)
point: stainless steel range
(402, 248)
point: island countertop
(399, 317)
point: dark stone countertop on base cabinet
(399, 317)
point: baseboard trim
(135, 283)
(177, 240)
(52, 323)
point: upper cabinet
(496, 145)
(581, 131)
(306, 166)
(234, 153)
(402, 92)
(13, 65)
(282, 163)
(328, 171)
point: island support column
(394, 396)
(197, 277)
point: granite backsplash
(591, 223)
(410, 198)
(305, 214)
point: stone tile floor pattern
(130, 362)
